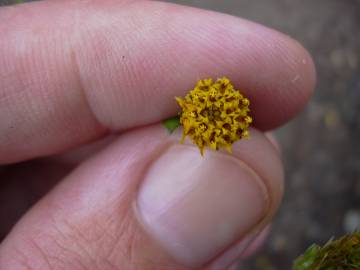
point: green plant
(340, 254)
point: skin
(84, 86)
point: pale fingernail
(196, 207)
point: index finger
(70, 71)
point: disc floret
(214, 114)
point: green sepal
(172, 123)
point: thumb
(146, 202)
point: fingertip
(289, 89)
(272, 139)
(257, 243)
(189, 209)
(198, 190)
(304, 77)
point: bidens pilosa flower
(214, 114)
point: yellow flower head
(214, 114)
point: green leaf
(172, 123)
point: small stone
(351, 221)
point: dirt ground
(321, 147)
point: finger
(72, 70)
(17, 195)
(79, 154)
(147, 202)
(257, 243)
(271, 137)
(254, 247)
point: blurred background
(321, 148)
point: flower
(214, 115)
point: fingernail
(196, 207)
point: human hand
(73, 72)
